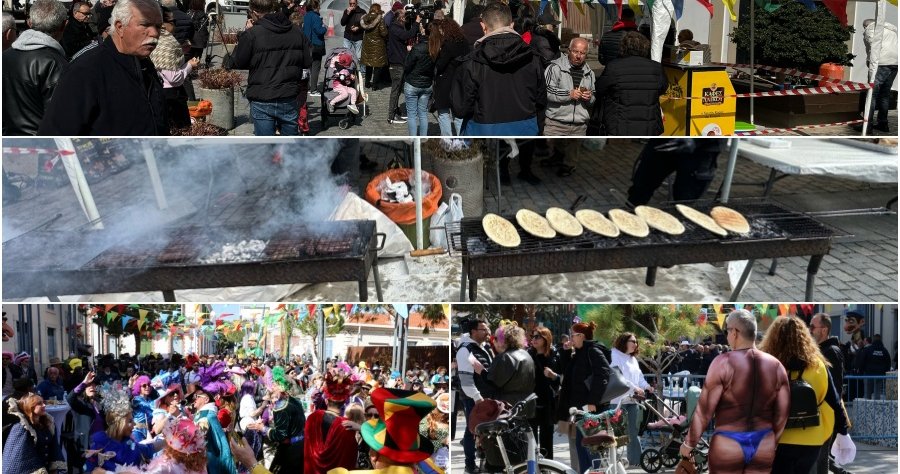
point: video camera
(425, 12)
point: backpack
(804, 410)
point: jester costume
(328, 444)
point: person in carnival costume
(288, 424)
(213, 381)
(117, 445)
(329, 443)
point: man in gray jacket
(570, 96)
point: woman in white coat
(624, 356)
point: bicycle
(515, 426)
(606, 443)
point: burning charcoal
(243, 251)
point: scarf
(168, 55)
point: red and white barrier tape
(13, 150)
(773, 131)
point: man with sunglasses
(353, 31)
(474, 386)
(79, 32)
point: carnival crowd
(242, 412)
(748, 385)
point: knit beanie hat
(586, 329)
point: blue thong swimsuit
(749, 440)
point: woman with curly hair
(788, 340)
(31, 446)
(512, 371)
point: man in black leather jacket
(79, 32)
(32, 67)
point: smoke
(224, 191)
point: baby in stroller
(343, 82)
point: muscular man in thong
(747, 392)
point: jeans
(396, 87)
(447, 122)
(633, 411)
(417, 109)
(356, 46)
(468, 440)
(314, 83)
(881, 94)
(266, 115)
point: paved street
(377, 124)
(869, 459)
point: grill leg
(774, 267)
(363, 290)
(377, 281)
(651, 276)
(473, 289)
(169, 295)
(814, 262)
(462, 283)
(742, 281)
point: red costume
(326, 450)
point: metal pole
(79, 182)
(874, 59)
(729, 171)
(417, 178)
(150, 158)
(404, 325)
(752, 57)
(321, 342)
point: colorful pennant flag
(125, 320)
(402, 310)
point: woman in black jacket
(418, 77)
(448, 40)
(546, 385)
(201, 28)
(512, 371)
(629, 89)
(398, 36)
(585, 371)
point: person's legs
(468, 440)
(791, 458)
(693, 175)
(286, 115)
(884, 78)
(458, 123)
(411, 104)
(422, 110)
(263, 122)
(634, 441)
(585, 457)
(348, 44)
(822, 462)
(652, 169)
(396, 87)
(314, 70)
(444, 122)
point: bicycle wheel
(651, 461)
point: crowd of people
(126, 67)
(243, 411)
(747, 383)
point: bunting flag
(446, 308)
(701, 319)
(579, 7)
(809, 4)
(163, 317)
(109, 307)
(738, 306)
(717, 308)
(783, 309)
(110, 315)
(679, 8)
(337, 309)
(708, 5)
(125, 320)
(729, 4)
(618, 11)
(793, 310)
(402, 310)
(563, 7)
(543, 6)
(327, 311)
(764, 308)
(768, 6)
(720, 318)
(635, 6)
(142, 319)
(349, 308)
(312, 310)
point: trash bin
(404, 214)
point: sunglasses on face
(372, 415)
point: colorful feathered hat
(396, 433)
(184, 436)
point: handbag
(616, 387)
(686, 466)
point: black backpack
(804, 412)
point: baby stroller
(668, 434)
(332, 71)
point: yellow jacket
(817, 377)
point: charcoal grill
(775, 232)
(46, 263)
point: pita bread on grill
(535, 224)
(500, 230)
(563, 222)
(597, 222)
(660, 220)
(730, 220)
(629, 223)
(701, 219)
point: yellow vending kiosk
(711, 107)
